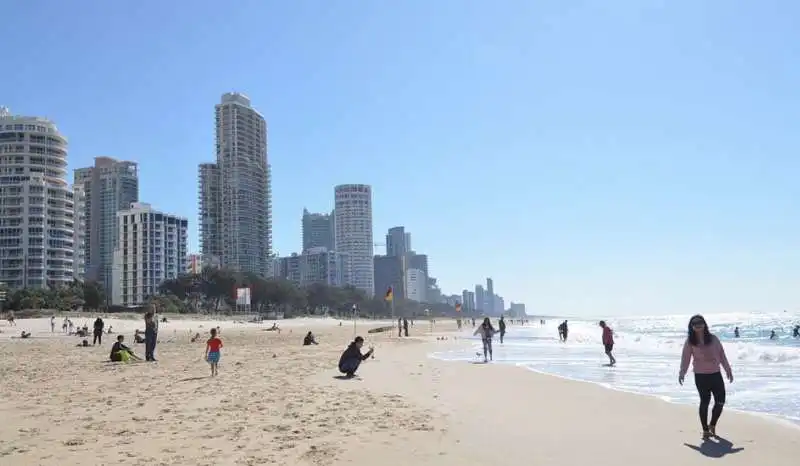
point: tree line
(214, 291)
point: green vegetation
(214, 291)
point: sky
(592, 157)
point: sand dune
(64, 405)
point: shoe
(706, 434)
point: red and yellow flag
(389, 294)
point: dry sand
(64, 405)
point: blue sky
(593, 157)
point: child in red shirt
(213, 346)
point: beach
(278, 402)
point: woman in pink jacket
(706, 353)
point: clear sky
(619, 157)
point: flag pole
(355, 320)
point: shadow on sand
(715, 448)
(192, 379)
(345, 377)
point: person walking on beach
(501, 324)
(352, 357)
(52, 324)
(706, 353)
(150, 335)
(486, 332)
(405, 326)
(213, 346)
(608, 342)
(399, 327)
(98, 331)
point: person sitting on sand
(25, 334)
(352, 357)
(137, 337)
(274, 328)
(83, 344)
(120, 352)
(309, 340)
(196, 337)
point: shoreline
(787, 421)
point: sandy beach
(277, 402)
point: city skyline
(588, 167)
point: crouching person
(120, 352)
(352, 357)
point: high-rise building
(235, 193)
(398, 242)
(489, 303)
(318, 231)
(109, 186)
(321, 266)
(151, 248)
(499, 304)
(36, 204)
(517, 309)
(390, 272)
(353, 230)
(480, 299)
(467, 301)
(80, 240)
(416, 285)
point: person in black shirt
(98, 331)
(150, 335)
(120, 352)
(352, 357)
(309, 340)
(502, 325)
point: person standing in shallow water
(502, 326)
(706, 353)
(486, 332)
(608, 342)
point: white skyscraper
(36, 204)
(416, 285)
(353, 230)
(235, 197)
(151, 248)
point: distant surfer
(502, 326)
(736, 332)
(796, 331)
(773, 335)
(608, 342)
(706, 354)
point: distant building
(318, 231)
(36, 204)
(467, 301)
(389, 272)
(518, 309)
(398, 242)
(151, 248)
(235, 193)
(353, 231)
(194, 264)
(490, 301)
(480, 299)
(416, 285)
(499, 305)
(315, 265)
(108, 187)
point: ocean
(648, 350)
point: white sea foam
(767, 372)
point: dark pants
(349, 366)
(98, 337)
(708, 385)
(405, 329)
(149, 347)
(502, 335)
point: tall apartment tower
(36, 204)
(151, 248)
(235, 194)
(398, 242)
(318, 231)
(480, 299)
(490, 300)
(109, 186)
(353, 230)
